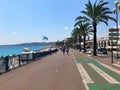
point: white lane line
(104, 75)
(111, 68)
(85, 77)
(73, 56)
(116, 65)
(84, 74)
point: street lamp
(115, 10)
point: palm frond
(111, 18)
(103, 4)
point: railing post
(7, 63)
(19, 59)
(33, 56)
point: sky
(25, 21)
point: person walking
(67, 50)
(63, 49)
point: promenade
(76, 71)
(53, 72)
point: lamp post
(115, 10)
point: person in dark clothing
(63, 50)
(67, 50)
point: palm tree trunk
(84, 43)
(79, 43)
(88, 37)
(95, 39)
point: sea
(16, 49)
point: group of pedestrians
(65, 49)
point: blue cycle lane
(100, 76)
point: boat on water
(27, 51)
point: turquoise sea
(16, 49)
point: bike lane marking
(111, 68)
(114, 73)
(104, 75)
(81, 71)
(96, 85)
(85, 77)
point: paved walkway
(76, 71)
(53, 72)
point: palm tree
(95, 14)
(76, 34)
(69, 41)
(84, 28)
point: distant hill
(39, 43)
(34, 44)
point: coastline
(11, 62)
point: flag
(44, 38)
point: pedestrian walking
(67, 50)
(63, 49)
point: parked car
(103, 50)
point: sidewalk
(107, 60)
(103, 59)
(53, 72)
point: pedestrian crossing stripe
(84, 74)
(107, 70)
(93, 74)
(113, 69)
(85, 77)
(104, 75)
(97, 86)
(113, 74)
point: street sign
(114, 34)
(113, 30)
(113, 38)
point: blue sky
(24, 21)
